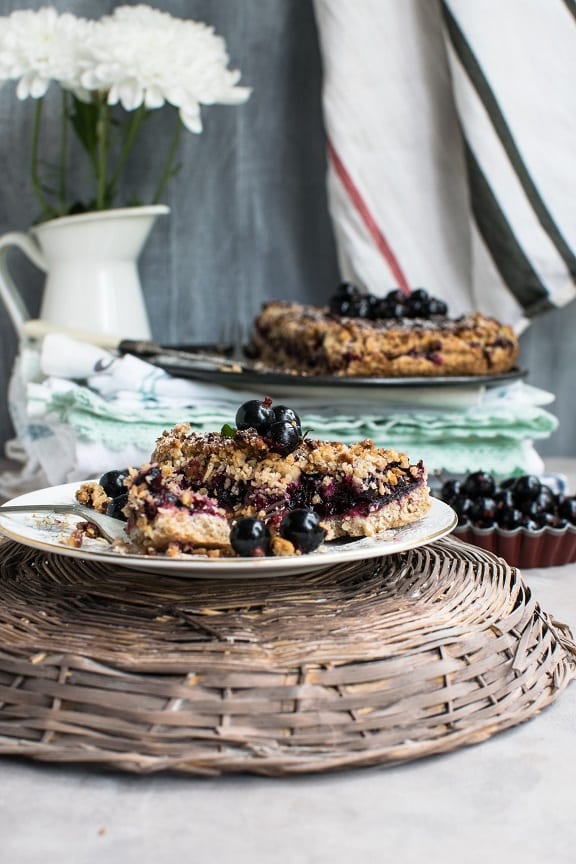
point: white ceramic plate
(48, 531)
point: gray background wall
(248, 219)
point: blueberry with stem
(256, 414)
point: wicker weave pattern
(372, 663)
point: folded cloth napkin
(80, 410)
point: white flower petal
(89, 80)
(38, 87)
(131, 94)
(23, 88)
(236, 96)
(113, 96)
(153, 98)
(191, 120)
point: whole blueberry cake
(394, 336)
(261, 488)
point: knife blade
(149, 350)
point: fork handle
(44, 508)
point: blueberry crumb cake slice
(394, 336)
(263, 488)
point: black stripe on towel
(571, 6)
(474, 71)
(508, 256)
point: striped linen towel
(451, 137)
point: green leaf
(228, 431)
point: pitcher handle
(9, 293)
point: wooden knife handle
(37, 328)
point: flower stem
(102, 135)
(168, 171)
(63, 153)
(36, 183)
(129, 139)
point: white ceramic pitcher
(90, 261)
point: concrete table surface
(510, 799)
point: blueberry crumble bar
(262, 487)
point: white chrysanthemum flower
(37, 47)
(142, 56)
(136, 57)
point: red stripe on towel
(359, 203)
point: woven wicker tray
(371, 663)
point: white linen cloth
(451, 137)
(80, 410)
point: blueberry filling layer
(164, 497)
(327, 496)
(346, 497)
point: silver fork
(234, 333)
(111, 529)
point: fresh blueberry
(530, 524)
(527, 488)
(255, 414)
(416, 308)
(285, 437)
(483, 511)
(116, 506)
(509, 518)
(567, 510)
(547, 520)
(479, 483)
(286, 415)
(419, 294)
(344, 307)
(386, 308)
(504, 499)
(349, 290)
(113, 482)
(509, 483)
(302, 528)
(529, 508)
(396, 296)
(450, 490)
(437, 307)
(373, 305)
(362, 307)
(250, 538)
(545, 499)
(461, 506)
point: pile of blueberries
(282, 429)
(280, 425)
(251, 538)
(518, 502)
(113, 484)
(350, 302)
